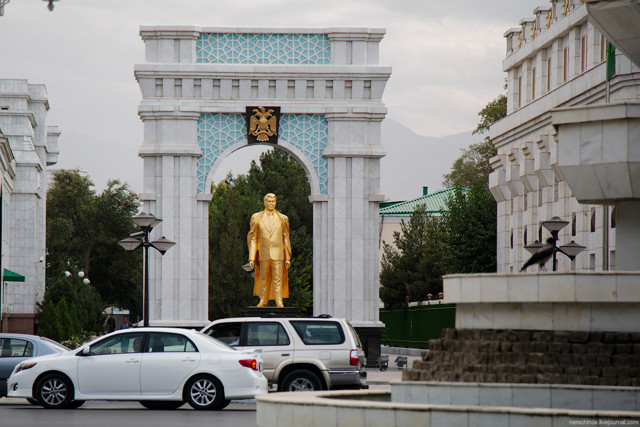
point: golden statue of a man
(270, 253)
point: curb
(402, 350)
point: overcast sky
(446, 57)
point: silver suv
(299, 353)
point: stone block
(624, 381)
(447, 418)
(483, 419)
(596, 337)
(554, 347)
(449, 333)
(622, 337)
(490, 377)
(621, 359)
(487, 334)
(622, 349)
(410, 418)
(607, 380)
(535, 358)
(578, 348)
(373, 417)
(527, 379)
(353, 417)
(578, 336)
(469, 377)
(565, 359)
(506, 346)
(609, 337)
(561, 336)
(542, 336)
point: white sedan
(160, 367)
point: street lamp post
(572, 249)
(554, 225)
(146, 222)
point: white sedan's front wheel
(204, 392)
(54, 391)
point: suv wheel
(301, 380)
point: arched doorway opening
(235, 197)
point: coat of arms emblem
(263, 124)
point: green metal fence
(413, 327)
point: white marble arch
(282, 144)
(331, 74)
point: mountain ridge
(413, 161)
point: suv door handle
(285, 354)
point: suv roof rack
(272, 312)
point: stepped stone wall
(526, 356)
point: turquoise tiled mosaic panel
(225, 48)
(308, 133)
(219, 132)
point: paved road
(19, 413)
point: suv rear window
(314, 332)
(266, 333)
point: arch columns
(346, 220)
(179, 294)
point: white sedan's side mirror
(86, 351)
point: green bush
(50, 326)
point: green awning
(12, 276)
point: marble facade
(29, 146)
(556, 59)
(196, 84)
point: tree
(462, 240)
(474, 161)
(491, 113)
(50, 326)
(71, 216)
(230, 287)
(85, 301)
(233, 202)
(64, 316)
(469, 231)
(83, 229)
(410, 269)
(469, 222)
(115, 272)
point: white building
(555, 59)
(27, 147)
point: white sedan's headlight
(24, 365)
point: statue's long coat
(253, 240)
